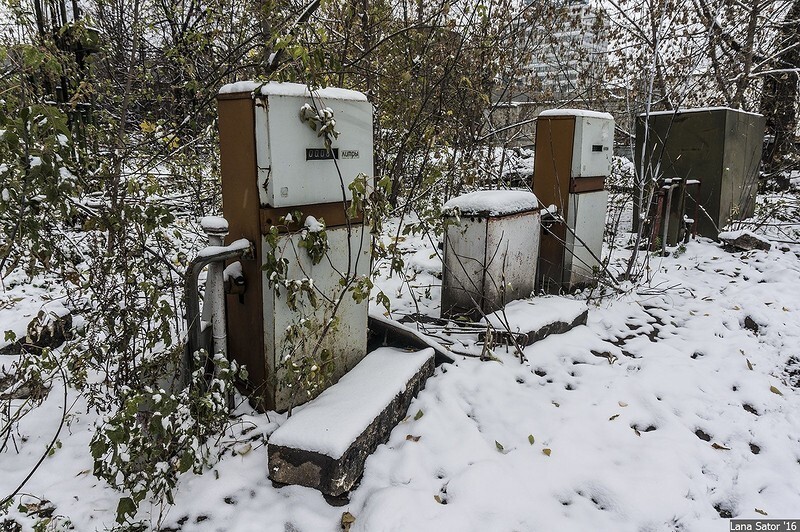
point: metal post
(240, 249)
(214, 305)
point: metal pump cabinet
(572, 160)
(491, 247)
(719, 147)
(273, 164)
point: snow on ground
(696, 419)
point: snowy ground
(696, 418)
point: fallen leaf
(531, 439)
(409, 437)
(244, 449)
(636, 431)
(749, 365)
(546, 451)
(762, 512)
(347, 521)
(720, 447)
(438, 499)
(737, 307)
(556, 404)
(612, 418)
(498, 445)
(418, 415)
(623, 404)
(84, 472)
(775, 390)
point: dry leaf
(438, 499)
(409, 437)
(498, 445)
(762, 512)
(720, 447)
(347, 521)
(775, 390)
(636, 431)
(244, 449)
(557, 405)
(749, 365)
(546, 451)
(623, 404)
(612, 418)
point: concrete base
(305, 452)
(530, 320)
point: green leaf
(125, 507)
(418, 415)
(531, 439)
(186, 462)
(775, 390)
(116, 435)
(546, 452)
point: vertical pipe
(214, 305)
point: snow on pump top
(494, 202)
(275, 88)
(576, 112)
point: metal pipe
(240, 249)
(669, 189)
(214, 303)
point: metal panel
(464, 276)
(744, 138)
(551, 182)
(593, 147)
(334, 214)
(512, 253)
(489, 262)
(587, 219)
(347, 340)
(290, 172)
(240, 206)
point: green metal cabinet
(720, 147)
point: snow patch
(493, 202)
(274, 88)
(526, 315)
(698, 110)
(584, 113)
(330, 423)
